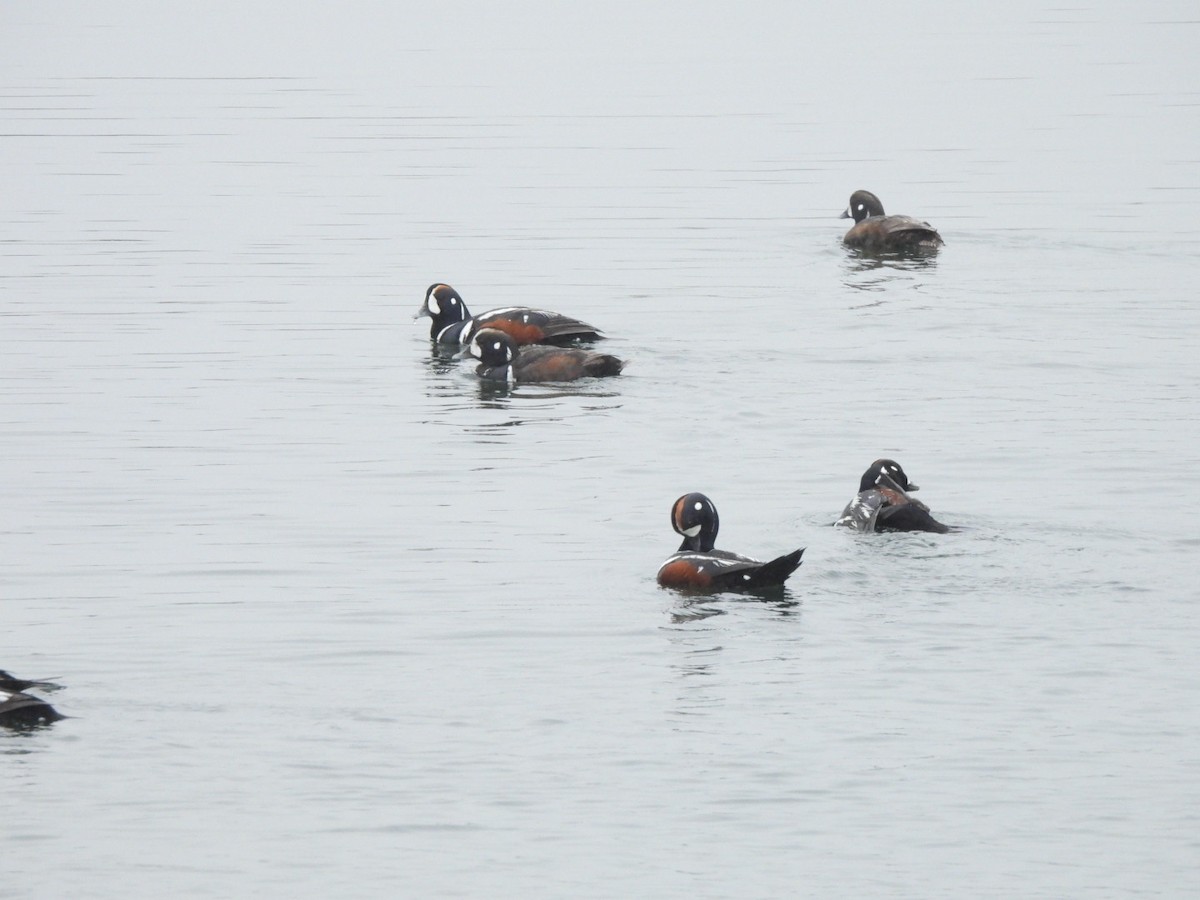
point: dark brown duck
(500, 359)
(876, 232)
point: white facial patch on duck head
(691, 532)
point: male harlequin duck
(11, 683)
(501, 360)
(19, 710)
(454, 326)
(875, 232)
(698, 567)
(883, 503)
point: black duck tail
(22, 711)
(603, 364)
(10, 682)
(776, 571)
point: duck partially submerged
(883, 503)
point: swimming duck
(19, 710)
(875, 232)
(500, 359)
(453, 325)
(697, 566)
(883, 503)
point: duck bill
(846, 214)
(422, 313)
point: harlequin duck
(875, 232)
(501, 360)
(13, 684)
(696, 566)
(883, 503)
(454, 326)
(19, 710)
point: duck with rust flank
(500, 359)
(876, 232)
(454, 326)
(883, 503)
(698, 566)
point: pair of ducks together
(516, 343)
(521, 344)
(19, 710)
(881, 504)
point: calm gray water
(336, 621)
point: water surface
(334, 617)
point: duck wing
(533, 326)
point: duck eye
(699, 506)
(496, 345)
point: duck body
(13, 684)
(883, 503)
(720, 570)
(698, 566)
(501, 359)
(876, 232)
(19, 710)
(452, 324)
